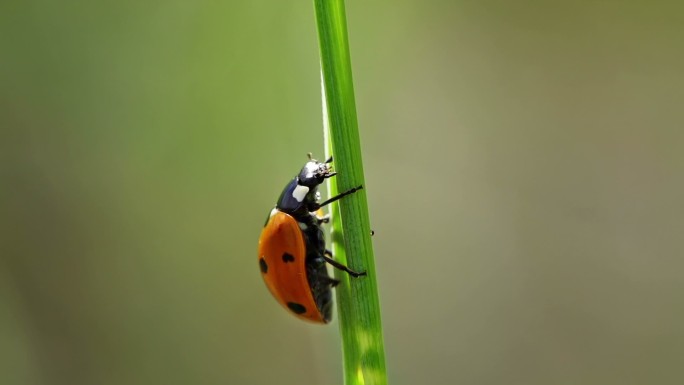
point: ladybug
(292, 253)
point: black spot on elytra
(287, 257)
(263, 266)
(296, 307)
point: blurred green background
(524, 165)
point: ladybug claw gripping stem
(339, 196)
(327, 256)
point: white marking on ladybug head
(300, 192)
(311, 169)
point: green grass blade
(357, 298)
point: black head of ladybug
(314, 172)
(300, 195)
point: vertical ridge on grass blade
(357, 298)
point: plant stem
(357, 298)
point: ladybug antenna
(329, 160)
(310, 155)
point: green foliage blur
(525, 174)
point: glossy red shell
(282, 258)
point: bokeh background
(524, 168)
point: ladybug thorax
(299, 197)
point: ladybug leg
(336, 197)
(324, 219)
(328, 258)
(328, 280)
